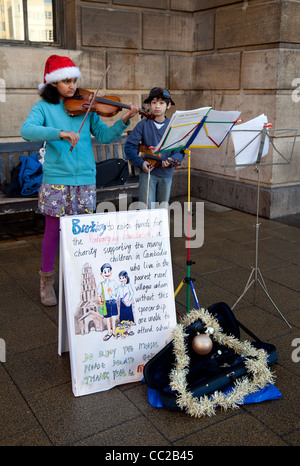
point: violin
(153, 159)
(107, 106)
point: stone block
(103, 27)
(260, 69)
(288, 69)
(198, 5)
(136, 71)
(201, 98)
(92, 66)
(159, 4)
(284, 174)
(204, 31)
(217, 71)
(187, 5)
(284, 201)
(168, 32)
(182, 72)
(287, 111)
(248, 25)
(290, 19)
(14, 111)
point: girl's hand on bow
(70, 136)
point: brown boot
(47, 293)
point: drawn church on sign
(87, 316)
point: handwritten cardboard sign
(119, 295)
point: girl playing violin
(69, 177)
(149, 133)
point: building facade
(230, 55)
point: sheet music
(181, 128)
(215, 128)
(246, 138)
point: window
(28, 20)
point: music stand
(261, 139)
(199, 128)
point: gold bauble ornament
(202, 344)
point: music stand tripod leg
(256, 270)
(271, 300)
(194, 294)
(247, 287)
(179, 288)
(148, 187)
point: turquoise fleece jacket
(44, 123)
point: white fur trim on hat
(63, 73)
(60, 75)
(57, 69)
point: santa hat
(57, 69)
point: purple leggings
(50, 243)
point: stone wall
(231, 55)
(252, 62)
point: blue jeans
(159, 189)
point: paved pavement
(37, 404)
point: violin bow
(92, 102)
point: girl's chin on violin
(69, 95)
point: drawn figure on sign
(107, 296)
(125, 293)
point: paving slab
(37, 404)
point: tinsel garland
(255, 361)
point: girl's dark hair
(124, 274)
(50, 94)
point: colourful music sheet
(183, 124)
(215, 128)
